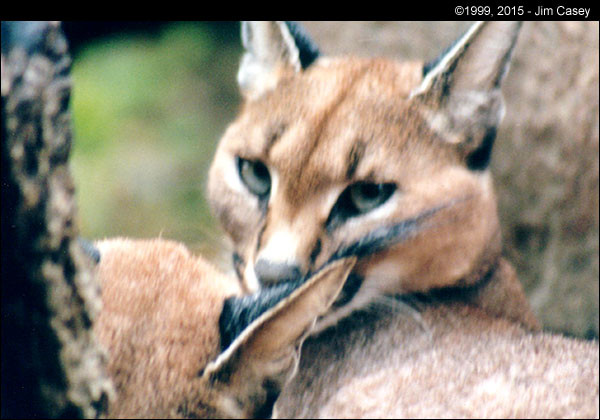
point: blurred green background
(148, 109)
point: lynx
(343, 182)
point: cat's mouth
(240, 311)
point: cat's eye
(366, 196)
(359, 198)
(255, 175)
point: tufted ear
(272, 48)
(249, 375)
(461, 89)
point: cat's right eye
(255, 176)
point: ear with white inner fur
(461, 90)
(272, 47)
(249, 375)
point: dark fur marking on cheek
(259, 238)
(380, 239)
(315, 252)
(384, 237)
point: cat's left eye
(366, 196)
(255, 175)
(357, 199)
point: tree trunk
(51, 363)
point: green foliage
(148, 112)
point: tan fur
(307, 127)
(160, 326)
(159, 322)
(453, 361)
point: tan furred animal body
(452, 361)
(160, 325)
(374, 158)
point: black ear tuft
(307, 49)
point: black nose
(269, 273)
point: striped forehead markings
(273, 133)
(357, 151)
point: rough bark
(51, 364)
